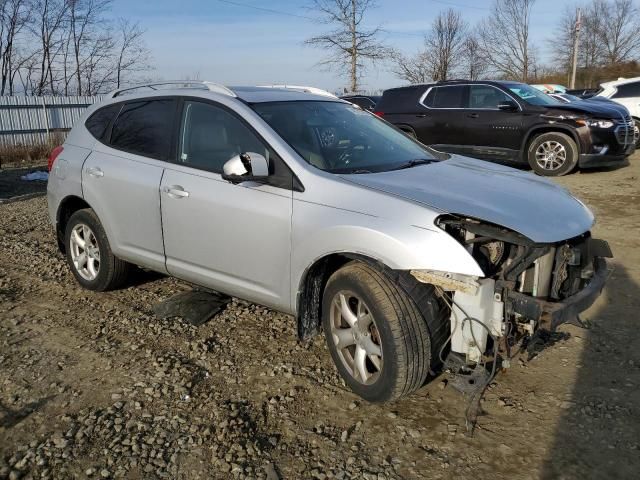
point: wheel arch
(535, 131)
(68, 206)
(407, 129)
(315, 277)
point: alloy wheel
(85, 252)
(551, 155)
(356, 337)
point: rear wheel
(89, 254)
(552, 154)
(377, 336)
(637, 133)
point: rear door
(493, 133)
(121, 179)
(231, 238)
(444, 124)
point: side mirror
(508, 106)
(249, 166)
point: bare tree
(473, 63)
(133, 55)
(444, 43)
(504, 37)
(619, 32)
(13, 18)
(47, 24)
(412, 69)
(349, 44)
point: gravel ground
(93, 385)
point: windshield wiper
(415, 163)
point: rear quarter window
(98, 123)
(400, 100)
(145, 128)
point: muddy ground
(93, 385)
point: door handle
(95, 172)
(473, 115)
(176, 191)
(421, 115)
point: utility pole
(576, 38)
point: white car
(625, 91)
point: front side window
(210, 136)
(145, 127)
(486, 97)
(446, 97)
(628, 90)
(340, 138)
(99, 122)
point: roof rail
(211, 86)
(300, 88)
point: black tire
(638, 127)
(409, 350)
(569, 145)
(111, 272)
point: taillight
(54, 154)
(379, 114)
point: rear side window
(628, 90)
(98, 123)
(145, 128)
(446, 97)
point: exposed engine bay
(527, 286)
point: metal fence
(31, 120)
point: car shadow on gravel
(138, 277)
(9, 418)
(598, 434)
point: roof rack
(210, 86)
(300, 88)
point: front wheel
(553, 154)
(637, 132)
(377, 336)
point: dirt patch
(95, 385)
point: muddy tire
(89, 254)
(637, 121)
(552, 154)
(378, 337)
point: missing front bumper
(550, 315)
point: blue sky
(238, 45)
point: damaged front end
(527, 286)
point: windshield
(532, 95)
(342, 138)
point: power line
(312, 19)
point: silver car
(294, 199)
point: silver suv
(309, 205)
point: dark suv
(510, 122)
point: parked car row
(514, 123)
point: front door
(231, 238)
(495, 134)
